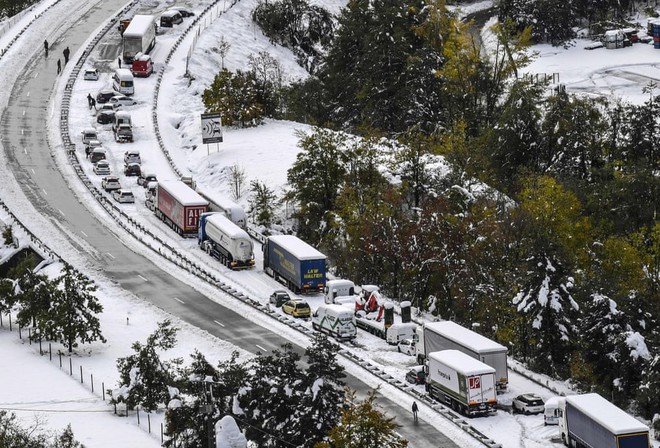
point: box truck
(336, 320)
(139, 37)
(224, 240)
(435, 336)
(461, 382)
(295, 263)
(590, 420)
(179, 207)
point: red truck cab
(142, 65)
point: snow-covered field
(265, 153)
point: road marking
(261, 348)
(46, 193)
(23, 112)
(61, 212)
(110, 255)
(219, 323)
(22, 131)
(33, 170)
(143, 278)
(36, 75)
(25, 151)
(28, 94)
(84, 234)
(179, 300)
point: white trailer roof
(461, 362)
(297, 247)
(139, 25)
(228, 227)
(607, 414)
(338, 309)
(182, 192)
(466, 337)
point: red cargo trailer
(180, 207)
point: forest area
(440, 173)
(9, 8)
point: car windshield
(302, 306)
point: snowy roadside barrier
(165, 250)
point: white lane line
(46, 193)
(261, 348)
(110, 255)
(22, 131)
(222, 325)
(28, 94)
(179, 300)
(61, 212)
(84, 234)
(143, 278)
(36, 75)
(25, 151)
(33, 170)
(24, 112)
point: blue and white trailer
(295, 263)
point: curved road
(25, 143)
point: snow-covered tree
(144, 378)
(228, 435)
(262, 203)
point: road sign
(211, 128)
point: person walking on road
(89, 100)
(415, 409)
(59, 66)
(93, 104)
(46, 47)
(119, 61)
(66, 53)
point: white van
(335, 320)
(122, 81)
(551, 411)
(338, 288)
(399, 331)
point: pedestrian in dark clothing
(89, 100)
(46, 47)
(88, 149)
(119, 61)
(93, 104)
(59, 66)
(66, 53)
(415, 409)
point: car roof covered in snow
(606, 414)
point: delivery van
(142, 65)
(335, 320)
(122, 81)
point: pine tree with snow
(262, 203)
(145, 379)
(67, 440)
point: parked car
(122, 100)
(90, 145)
(105, 117)
(88, 135)
(104, 96)
(132, 169)
(407, 346)
(91, 74)
(528, 404)
(107, 107)
(123, 196)
(97, 154)
(102, 168)
(132, 156)
(110, 183)
(297, 308)
(144, 179)
(279, 297)
(416, 375)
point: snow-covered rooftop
(182, 192)
(466, 337)
(229, 228)
(607, 414)
(463, 363)
(297, 247)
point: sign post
(211, 129)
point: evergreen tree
(144, 378)
(71, 317)
(363, 425)
(262, 203)
(235, 97)
(67, 440)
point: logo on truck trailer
(193, 216)
(312, 274)
(475, 382)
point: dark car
(132, 169)
(416, 375)
(278, 298)
(105, 117)
(104, 96)
(184, 12)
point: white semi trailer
(221, 238)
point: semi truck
(139, 37)
(444, 335)
(335, 320)
(229, 208)
(224, 240)
(461, 382)
(179, 207)
(295, 263)
(591, 420)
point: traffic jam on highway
(453, 365)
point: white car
(132, 156)
(102, 168)
(406, 346)
(528, 404)
(110, 183)
(123, 196)
(91, 74)
(107, 107)
(122, 101)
